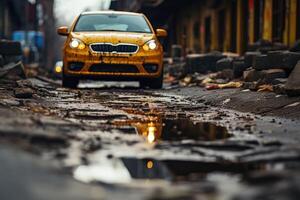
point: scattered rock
(280, 81)
(293, 83)
(250, 57)
(296, 47)
(224, 63)
(239, 67)
(276, 60)
(24, 83)
(202, 63)
(227, 74)
(270, 75)
(9, 102)
(279, 89)
(13, 71)
(253, 86)
(251, 75)
(23, 93)
(262, 62)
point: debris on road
(292, 86)
(224, 86)
(265, 88)
(23, 93)
(10, 60)
(265, 67)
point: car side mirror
(161, 33)
(64, 31)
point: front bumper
(108, 65)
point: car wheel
(70, 82)
(154, 83)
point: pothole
(156, 129)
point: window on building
(207, 33)
(197, 30)
(258, 19)
(233, 26)
(298, 19)
(196, 36)
(221, 29)
(245, 27)
(279, 8)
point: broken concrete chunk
(250, 57)
(9, 102)
(202, 63)
(226, 74)
(224, 63)
(10, 48)
(13, 71)
(251, 75)
(277, 60)
(253, 86)
(23, 93)
(278, 81)
(24, 83)
(261, 62)
(293, 83)
(279, 89)
(176, 51)
(269, 76)
(238, 68)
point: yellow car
(111, 45)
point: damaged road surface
(128, 143)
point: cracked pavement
(101, 142)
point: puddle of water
(110, 171)
(126, 170)
(156, 129)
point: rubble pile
(272, 66)
(265, 66)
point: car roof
(110, 12)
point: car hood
(113, 37)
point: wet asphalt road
(108, 142)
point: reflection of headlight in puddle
(151, 134)
(150, 164)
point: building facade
(24, 15)
(11, 17)
(224, 25)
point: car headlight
(150, 46)
(77, 44)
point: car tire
(69, 82)
(154, 83)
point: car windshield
(112, 22)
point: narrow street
(149, 100)
(106, 142)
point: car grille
(118, 48)
(114, 68)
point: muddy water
(155, 129)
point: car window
(112, 22)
